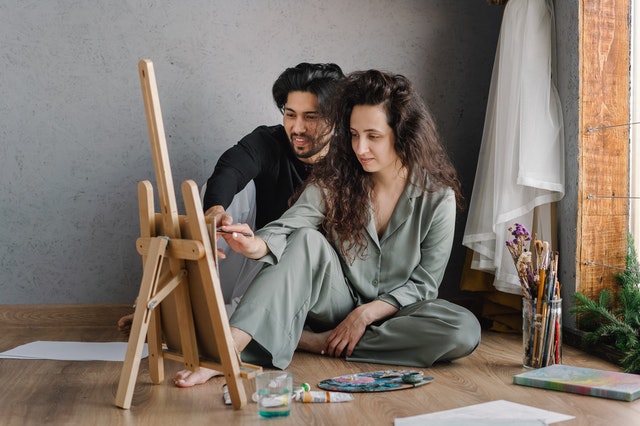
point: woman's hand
(241, 239)
(344, 338)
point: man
(276, 159)
(270, 162)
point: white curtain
(521, 162)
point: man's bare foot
(188, 378)
(312, 342)
(124, 324)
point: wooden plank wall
(603, 160)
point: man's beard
(313, 147)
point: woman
(355, 264)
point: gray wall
(566, 13)
(73, 134)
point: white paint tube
(323, 396)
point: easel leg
(154, 334)
(141, 318)
(229, 360)
(154, 343)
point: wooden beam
(603, 159)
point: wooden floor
(70, 393)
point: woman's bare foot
(313, 342)
(124, 324)
(188, 378)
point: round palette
(376, 381)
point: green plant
(615, 323)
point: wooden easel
(180, 301)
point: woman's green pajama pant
(307, 287)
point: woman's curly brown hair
(345, 184)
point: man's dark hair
(318, 79)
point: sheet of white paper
(470, 421)
(489, 413)
(71, 351)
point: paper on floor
(71, 351)
(489, 413)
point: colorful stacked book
(584, 381)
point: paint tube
(323, 396)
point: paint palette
(376, 381)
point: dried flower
(519, 249)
